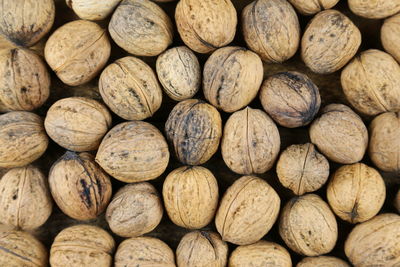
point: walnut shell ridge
(322, 261)
(93, 9)
(377, 9)
(390, 33)
(307, 7)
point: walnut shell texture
(77, 51)
(390, 33)
(271, 29)
(307, 7)
(194, 129)
(251, 142)
(93, 9)
(247, 211)
(374, 9)
(322, 261)
(329, 42)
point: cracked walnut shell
(311, 7)
(93, 9)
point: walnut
(374, 9)
(307, 7)
(397, 201)
(93, 9)
(390, 33)
(322, 261)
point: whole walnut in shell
(141, 28)
(271, 29)
(310, 7)
(340, 134)
(77, 51)
(397, 201)
(25, 200)
(247, 211)
(371, 82)
(119, 155)
(308, 226)
(231, 78)
(374, 9)
(322, 261)
(79, 186)
(290, 98)
(92, 9)
(194, 129)
(144, 251)
(129, 87)
(179, 73)
(375, 242)
(356, 192)
(302, 169)
(136, 209)
(251, 142)
(390, 33)
(24, 80)
(190, 196)
(329, 42)
(22, 138)
(202, 248)
(82, 245)
(261, 253)
(206, 25)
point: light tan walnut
(310, 7)
(322, 261)
(374, 9)
(390, 36)
(93, 9)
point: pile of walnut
(226, 107)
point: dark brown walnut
(206, 25)
(77, 123)
(231, 78)
(24, 80)
(371, 82)
(311, 7)
(194, 129)
(77, 51)
(144, 251)
(271, 29)
(308, 226)
(290, 98)
(202, 248)
(390, 36)
(322, 261)
(22, 139)
(302, 169)
(25, 201)
(92, 9)
(25, 22)
(179, 73)
(340, 134)
(374, 9)
(329, 42)
(119, 155)
(247, 211)
(375, 242)
(82, 245)
(129, 87)
(135, 210)
(251, 142)
(141, 28)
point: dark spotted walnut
(310, 7)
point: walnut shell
(24, 80)
(144, 251)
(77, 51)
(194, 128)
(375, 242)
(190, 196)
(374, 9)
(356, 192)
(25, 22)
(22, 138)
(307, 7)
(82, 245)
(271, 29)
(21, 249)
(308, 226)
(340, 134)
(81, 189)
(247, 211)
(302, 169)
(329, 42)
(322, 261)
(290, 98)
(262, 253)
(371, 82)
(92, 9)
(25, 200)
(206, 25)
(179, 73)
(141, 27)
(136, 209)
(397, 201)
(119, 155)
(231, 78)
(201, 248)
(390, 33)
(251, 142)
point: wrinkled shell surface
(308, 226)
(130, 89)
(310, 7)
(247, 211)
(271, 29)
(322, 261)
(390, 36)
(251, 142)
(93, 9)
(374, 9)
(329, 42)
(119, 155)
